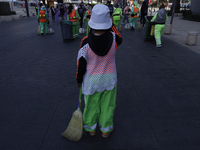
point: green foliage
(7, 13)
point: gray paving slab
(157, 100)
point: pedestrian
(96, 72)
(117, 15)
(159, 19)
(87, 18)
(110, 6)
(81, 12)
(126, 13)
(53, 13)
(62, 12)
(134, 13)
(74, 17)
(143, 12)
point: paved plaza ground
(158, 98)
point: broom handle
(80, 94)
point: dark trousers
(142, 20)
(81, 21)
(125, 18)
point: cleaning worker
(117, 15)
(74, 17)
(96, 71)
(43, 19)
(87, 18)
(159, 18)
(134, 14)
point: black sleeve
(81, 69)
(118, 37)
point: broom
(74, 130)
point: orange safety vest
(72, 16)
(42, 16)
(88, 13)
(136, 10)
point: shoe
(42, 33)
(92, 133)
(122, 23)
(158, 46)
(106, 135)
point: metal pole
(27, 11)
(174, 4)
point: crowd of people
(96, 70)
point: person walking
(143, 12)
(126, 13)
(43, 19)
(87, 18)
(117, 14)
(74, 17)
(96, 72)
(110, 6)
(133, 17)
(62, 12)
(159, 19)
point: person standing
(43, 19)
(159, 18)
(53, 13)
(133, 17)
(96, 72)
(74, 17)
(126, 13)
(81, 12)
(143, 13)
(117, 14)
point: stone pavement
(157, 100)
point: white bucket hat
(100, 18)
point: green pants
(99, 107)
(159, 28)
(43, 26)
(75, 31)
(116, 23)
(132, 22)
(87, 28)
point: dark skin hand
(79, 85)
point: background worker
(134, 14)
(87, 18)
(43, 19)
(117, 15)
(74, 17)
(159, 18)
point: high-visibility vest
(72, 16)
(88, 13)
(136, 11)
(42, 16)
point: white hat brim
(100, 26)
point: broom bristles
(74, 130)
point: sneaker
(158, 46)
(122, 23)
(92, 133)
(106, 135)
(42, 33)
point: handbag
(152, 30)
(127, 26)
